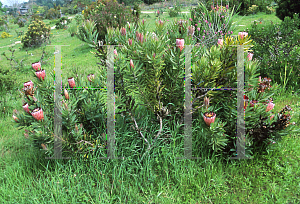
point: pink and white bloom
(41, 74)
(259, 79)
(66, 94)
(243, 34)
(28, 83)
(250, 55)
(130, 41)
(36, 66)
(71, 82)
(15, 118)
(180, 43)
(123, 31)
(131, 63)
(209, 118)
(38, 114)
(220, 41)
(270, 106)
(26, 108)
(91, 77)
(115, 52)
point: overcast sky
(10, 2)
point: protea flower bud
(123, 31)
(250, 55)
(180, 43)
(76, 128)
(220, 42)
(160, 22)
(115, 52)
(243, 34)
(259, 79)
(36, 66)
(246, 99)
(15, 118)
(28, 83)
(66, 94)
(271, 117)
(128, 25)
(191, 30)
(38, 114)
(131, 63)
(44, 147)
(157, 12)
(206, 101)
(28, 88)
(130, 41)
(270, 106)
(41, 74)
(26, 108)
(26, 135)
(91, 77)
(71, 82)
(154, 55)
(143, 22)
(209, 117)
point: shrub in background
(287, 8)
(52, 14)
(37, 34)
(108, 14)
(277, 47)
(211, 25)
(174, 12)
(62, 23)
(270, 10)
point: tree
(2, 9)
(287, 8)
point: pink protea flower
(259, 79)
(123, 31)
(130, 41)
(71, 82)
(209, 117)
(38, 114)
(190, 19)
(115, 52)
(28, 83)
(250, 55)
(157, 12)
(246, 99)
(41, 74)
(243, 34)
(15, 118)
(227, 6)
(66, 94)
(26, 108)
(131, 63)
(271, 117)
(220, 41)
(91, 77)
(180, 43)
(270, 106)
(36, 66)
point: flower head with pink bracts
(270, 106)
(36, 66)
(220, 42)
(209, 117)
(41, 74)
(180, 43)
(131, 64)
(38, 114)
(250, 55)
(243, 34)
(71, 82)
(26, 108)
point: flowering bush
(276, 46)
(270, 10)
(253, 9)
(5, 35)
(173, 12)
(62, 23)
(37, 34)
(211, 25)
(108, 14)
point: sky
(9, 2)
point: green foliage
(62, 23)
(52, 14)
(252, 10)
(270, 10)
(276, 45)
(87, 32)
(136, 10)
(108, 14)
(287, 8)
(72, 29)
(174, 12)
(36, 35)
(78, 18)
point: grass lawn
(26, 177)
